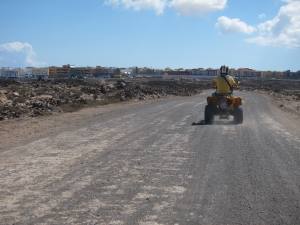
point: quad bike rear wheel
(209, 114)
(238, 115)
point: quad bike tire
(238, 115)
(209, 114)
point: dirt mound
(285, 87)
(286, 93)
(35, 98)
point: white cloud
(183, 7)
(233, 25)
(262, 16)
(157, 5)
(18, 54)
(283, 29)
(196, 7)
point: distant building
(146, 71)
(273, 74)
(26, 72)
(68, 71)
(102, 72)
(294, 75)
(199, 72)
(212, 72)
(9, 73)
(40, 73)
(178, 73)
(81, 72)
(60, 72)
(126, 71)
(247, 73)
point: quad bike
(223, 106)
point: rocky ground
(36, 98)
(285, 93)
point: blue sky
(260, 34)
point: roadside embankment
(36, 98)
(286, 93)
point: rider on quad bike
(224, 83)
(222, 102)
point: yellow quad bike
(223, 106)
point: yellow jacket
(222, 86)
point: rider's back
(222, 85)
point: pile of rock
(35, 98)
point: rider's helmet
(224, 70)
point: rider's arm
(215, 83)
(233, 82)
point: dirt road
(145, 164)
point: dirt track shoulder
(16, 132)
(287, 103)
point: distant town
(69, 71)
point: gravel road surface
(146, 164)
